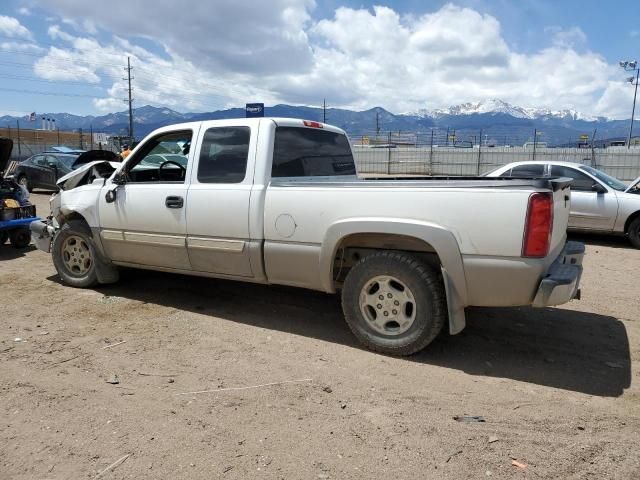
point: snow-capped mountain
(494, 118)
(496, 106)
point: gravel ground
(558, 387)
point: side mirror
(110, 196)
(596, 187)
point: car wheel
(74, 255)
(394, 303)
(24, 181)
(20, 237)
(634, 232)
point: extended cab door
(590, 210)
(218, 239)
(146, 224)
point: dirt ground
(558, 387)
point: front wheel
(74, 255)
(634, 232)
(394, 303)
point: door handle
(174, 202)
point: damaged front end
(68, 200)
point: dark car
(44, 169)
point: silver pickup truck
(278, 201)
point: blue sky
(407, 55)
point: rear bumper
(562, 281)
(42, 235)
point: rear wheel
(394, 303)
(634, 232)
(20, 237)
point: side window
(39, 160)
(535, 170)
(309, 152)
(161, 159)
(223, 157)
(581, 182)
(50, 161)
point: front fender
(441, 240)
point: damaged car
(278, 201)
(45, 169)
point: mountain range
(498, 120)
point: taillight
(538, 225)
(309, 123)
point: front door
(590, 210)
(50, 173)
(146, 224)
(218, 238)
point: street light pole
(633, 110)
(632, 67)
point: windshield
(603, 177)
(67, 160)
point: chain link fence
(407, 154)
(28, 142)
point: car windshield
(608, 179)
(67, 160)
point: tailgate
(561, 205)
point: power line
(53, 94)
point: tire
(24, 181)
(382, 281)
(20, 237)
(634, 232)
(74, 255)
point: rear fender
(442, 240)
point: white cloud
(234, 51)
(242, 36)
(24, 11)
(20, 47)
(11, 27)
(572, 37)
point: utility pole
(91, 127)
(58, 136)
(377, 123)
(535, 139)
(130, 100)
(19, 152)
(324, 110)
(80, 135)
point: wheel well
(631, 218)
(353, 248)
(73, 216)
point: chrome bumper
(562, 281)
(42, 235)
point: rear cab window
(311, 152)
(535, 170)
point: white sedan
(599, 202)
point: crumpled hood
(633, 184)
(94, 155)
(87, 173)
